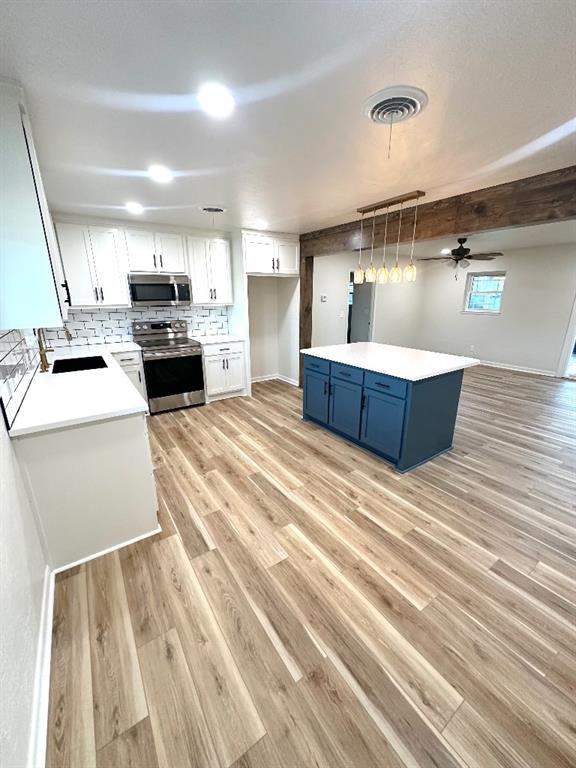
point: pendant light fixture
(382, 276)
(359, 272)
(410, 270)
(371, 271)
(396, 271)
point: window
(484, 292)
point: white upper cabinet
(287, 256)
(270, 254)
(155, 251)
(259, 253)
(94, 265)
(210, 270)
(29, 268)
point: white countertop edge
(434, 366)
(224, 339)
(78, 422)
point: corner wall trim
(275, 377)
(39, 716)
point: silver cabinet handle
(278, 265)
(154, 257)
(101, 293)
(223, 364)
(96, 293)
(161, 262)
(272, 263)
(224, 349)
(215, 294)
(139, 377)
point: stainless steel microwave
(159, 290)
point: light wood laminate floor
(307, 606)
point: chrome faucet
(43, 349)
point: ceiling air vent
(213, 209)
(395, 104)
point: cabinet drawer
(226, 348)
(316, 364)
(126, 358)
(347, 373)
(388, 385)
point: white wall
(539, 292)
(273, 304)
(22, 571)
(529, 333)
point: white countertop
(401, 362)
(54, 401)
(78, 350)
(224, 339)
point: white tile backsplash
(96, 326)
(18, 360)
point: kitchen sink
(69, 364)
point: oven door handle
(148, 356)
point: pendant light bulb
(383, 275)
(370, 274)
(396, 274)
(358, 275)
(410, 273)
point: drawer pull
(380, 384)
(224, 349)
(126, 359)
(314, 365)
(344, 373)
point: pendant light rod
(411, 261)
(398, 241)
(361, 238)
(373, 229)
(391, 201)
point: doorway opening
(360, 303)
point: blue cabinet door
(345, 407)
(316, 396)
(382, 422)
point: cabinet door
(345, 407)
(235, 373)
(111, 277)
(287, 257)
(141, 251)
(382, 421)
(199, 270)
(220, 271)
(169, 252)
(136, 377)
(78, 266)
(316, 396)
(215, 368)
(260, 254)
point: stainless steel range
(172, 364)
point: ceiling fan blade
(485, 256)
(436, 258)
(464, 263)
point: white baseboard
(519, 368)
(82, 560)
(275, 377)
(39, 718)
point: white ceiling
(297, 152)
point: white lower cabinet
(224, 368)
(131, 364)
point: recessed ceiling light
(134, 208)
(160, 173)
(445, 251)
(216, 100)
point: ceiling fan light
(396, 274)
(382, 276)
(370, 274)
(410, 273)
(358, 275)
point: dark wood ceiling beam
(522, 203)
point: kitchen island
(396, 402)
(82, 442)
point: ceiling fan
(461, 256)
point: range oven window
(143, 292)
(173, 375)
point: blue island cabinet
(404, 422)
